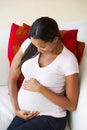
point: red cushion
(18, 35)
(69, 39)
(79, 50)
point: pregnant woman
(50, 86)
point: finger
(26, 88)
(26, 112)
(31, 79)
(32, 115)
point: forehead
(38, 42)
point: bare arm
(68, 101)
(14, 74)
(13, 77)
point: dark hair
(29, 53)
(43, 28)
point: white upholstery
(4, 64)
(77, 118)
(6, 110)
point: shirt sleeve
(25, 44)
(72, 66)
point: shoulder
(69, 62)
(68, 55)
(25, 44)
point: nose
(39, 50)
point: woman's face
(44, 47)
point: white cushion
(6, 110)
(4, 38)
(79, 117)
(4, 64)
(80, 25)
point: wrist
(40, 88)
(16, 110)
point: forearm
(68, 102)
(58, 99)
(13, 92)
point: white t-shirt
(51, 76)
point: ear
(56, 39)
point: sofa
(77, 119)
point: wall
(27, 11)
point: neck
(59, 47)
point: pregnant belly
(34, 101)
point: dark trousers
(38, 123)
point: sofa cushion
(69, 39)
(6, 109)
(78, 117)
(4, 64)
(78, 120)
(18, 34)
(80, 46)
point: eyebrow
(42, 46)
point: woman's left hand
(31, 85)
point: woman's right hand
(26, 115)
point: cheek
(48, 49)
